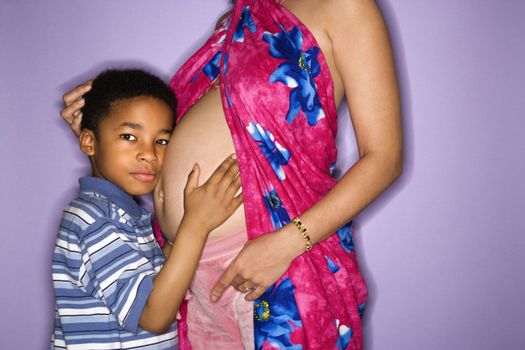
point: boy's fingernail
(213, 298)
(81, 102)
(234, 156)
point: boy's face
(131, 142)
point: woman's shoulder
(331, 17)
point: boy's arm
(166, 249)
(173, 280)
(205, 208)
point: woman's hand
(209, 205)
(73, 103)
(260, 263)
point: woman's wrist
(304, 232)
(292, 240)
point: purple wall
(443, 250)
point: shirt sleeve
(119, 275)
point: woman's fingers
(73, 103)
(261, 262)
(75, 124)
(237, 283)
(231, 278)
(255, 293)
(246, 287)
(72, 111)
(223, 283)
(71, 96)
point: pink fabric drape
(278, 100)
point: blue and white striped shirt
(104, 262)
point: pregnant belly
(203, 137)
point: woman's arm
(363, 58)
(364, 64)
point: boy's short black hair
(114, 85)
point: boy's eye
(128, 137)
(163, 142)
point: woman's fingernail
(234, 156)
(81, 102)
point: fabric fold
(278, 100)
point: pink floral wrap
(278, 100)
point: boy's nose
(147, 154)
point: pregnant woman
(267, 85)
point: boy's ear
(87, 140)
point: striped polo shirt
(104, 262)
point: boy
(113, 288)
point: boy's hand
(209, 205)
(205, 208)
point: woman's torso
(202, 135)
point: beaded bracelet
(304, 232)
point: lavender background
(442, 250)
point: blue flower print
(228, 98)
(345, 237)
(332, 169)
(276, 316)
(297, 72)
(278, 214)
(225, 63)
(331, 265)
(361, 308)
(345, 334)
(212, 68)
(276, 154)
(245, 21)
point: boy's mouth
(144, 176)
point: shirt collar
(112, 192)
